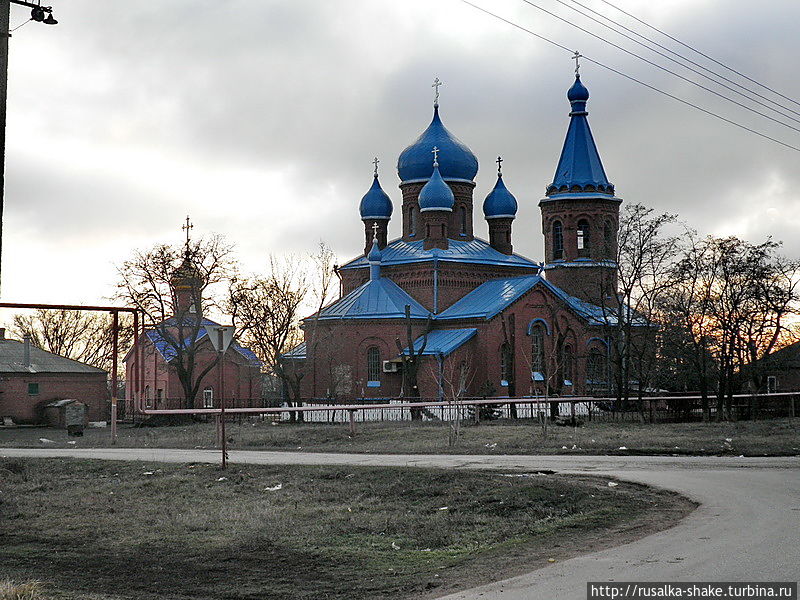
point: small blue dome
(376, 203)
(500, 202)
(374, 255)
(457, 161)
(436, 194)
(578, 91)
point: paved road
(746, 527)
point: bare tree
(83, 336)
(412, 360)
(322, 291)
(148, 282)
(266, 311)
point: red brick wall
(89, 388)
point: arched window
(373, 367)
(464, 219)
(596, 370)
(412, 221)
(567, 364)
(608, 240)
(506, 367)
(208, 397)
(558, 240)
(583, 238)
(537, 353)
(148, 401)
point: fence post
(352, 423)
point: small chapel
(482, 320)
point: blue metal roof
(436, 194)
(457, 161)
(580, 165)
(500, 202)
(475, 251)
(168, 352)
(377, 299)
(376, 203)
(490, 298)
(443, 341)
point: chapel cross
(436, 84)
(575, 57)
(435, 152)
(187, 228)
(375, 230)
(375, 162)
(499, 168)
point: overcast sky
(260, 119)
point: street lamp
(40, 14)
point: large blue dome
(436, 194)
(376, 203)
(457, 162)
(500, 203)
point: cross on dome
(187, 227)
(499, 167)
(375, 162)
(375, 231)
(436, 84)
(435, 153)
(575, 57)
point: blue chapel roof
(168, 352)
(475, 251)
(378, 298)
(443, 341)
(579, 168)
(457, 160)
(436, 194)
(500, 202)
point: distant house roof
(12, 360)
(443, 341)
(296, 353)
(378, 298)
(168, 352)
(475, 251)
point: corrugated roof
(376, 299)
(443, 341)
(476, 251)
(489, 298)
(12, 360)
(296, 353)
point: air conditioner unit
(390, 366)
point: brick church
(483, 320)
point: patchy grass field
(98, 530)
(750, 438)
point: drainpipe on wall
(435, 285)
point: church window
(148, 402)
(373, 367)
(463, 220)
(558, 240)
(608, 240)
(412, 221)
(596, 375)
(506, 367)
(208, 397)
(537, 353)
(33, 389)
(583, 238)
(567, 364)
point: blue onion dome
(436, 194)
(578, 91)
(458, 163)
(500, 203)
(376, 203)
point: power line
(714, 60)
(654, 64)
(770, 106)
(631, 78)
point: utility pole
(40, 14)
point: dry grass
(30, 590)
(137, 531)
(750, 438)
